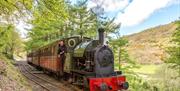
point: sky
(138, 15)
(134, 15)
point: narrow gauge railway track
(48, 86)
(61, 83)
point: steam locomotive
(88, 63)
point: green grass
(147, 69)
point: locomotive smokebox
(101, 35)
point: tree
(81, 21)
(48, 21)
(12, 10)
(11, 42)
(76, 19)
(10, 13)
(174, 51)
(47, 24)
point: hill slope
(10, 78)
(149, 46)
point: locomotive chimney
(101, 35)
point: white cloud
(136, 12)
(174, 2)
(109, 5)
(139, 10)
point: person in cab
(62, 50)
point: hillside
(10, 78)
(149, 46)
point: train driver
(62, 50)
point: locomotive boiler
(89, 63)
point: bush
(166, 79)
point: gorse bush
(166, 79)
(174, 50)
(137, 83)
